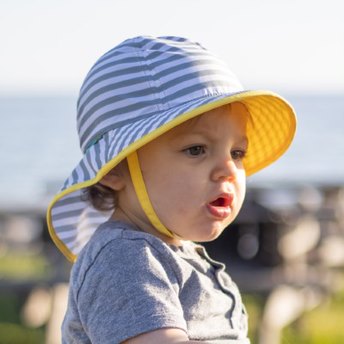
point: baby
(169, 136)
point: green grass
(17, 334)
(12, 331)
(17, 268)
(254, 306)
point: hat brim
(71, 221)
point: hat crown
(144, 76)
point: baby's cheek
(240, 200)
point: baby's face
(194, 175)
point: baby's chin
(205, 236)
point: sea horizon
(39, 146)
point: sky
(47, 47)
(292, 47)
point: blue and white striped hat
(139, 90)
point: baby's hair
(101, 197)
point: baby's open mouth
(221, 207)
(221, 202)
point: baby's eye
(238, 154)
(195, 150)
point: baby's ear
(114, 180)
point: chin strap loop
(142, 195)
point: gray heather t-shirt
(126, 282)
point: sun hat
(134, 93)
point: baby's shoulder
(119, 244)
(118, 251)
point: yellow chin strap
(142, 194)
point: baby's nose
(225, 169)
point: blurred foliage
(10, 305)
(322, 325)
(23, 267)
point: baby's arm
(165, 335)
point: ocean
(39, 147)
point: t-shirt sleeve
(129, 289)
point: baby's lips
(223, 200)
(221, 207)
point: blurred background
(286, 249)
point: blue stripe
(97, 154)
(109, 114)
(193, 88)
(182, 66)
(88, 158)
(123, 134)
(67, 214)
(84, 170)
(118, 73)
(129, 82)
(75, 178)
(140, 69)
(120, 97)
(113, 63)
(146, 92)
(66, 228)
(132, 134)
(190, 76)
(66, 201)
(110, 87)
